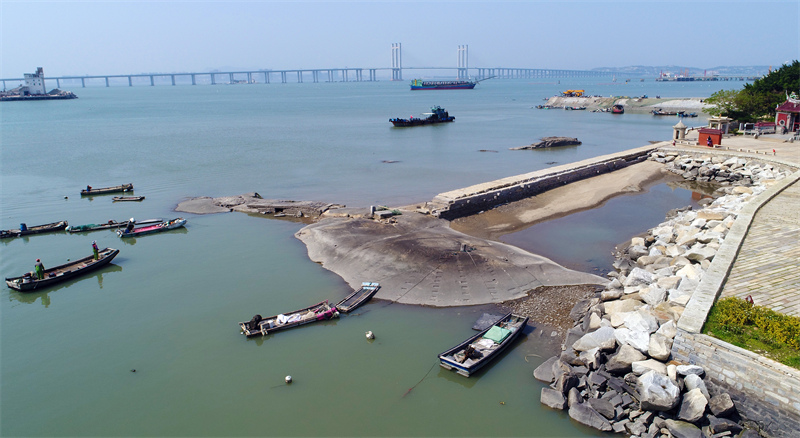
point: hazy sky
(119, 37)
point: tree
(723, 103)
(757, 101)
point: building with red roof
(787, 114)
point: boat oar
(420, 380)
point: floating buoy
(66, 197)
(288, 379)
(133, 370)
(370, 335)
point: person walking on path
(39, 269)
(709, 142)
(95, 250)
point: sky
(122, 37)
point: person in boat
(88, 188)
(95, 250)
(39, 269)
(129, 227)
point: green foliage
(756, 328)
(758, 100)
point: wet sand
(578, 196)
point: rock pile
(550, 142)
(615, 372)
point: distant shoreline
(638, 105)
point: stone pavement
(768, 265)
(760, 255)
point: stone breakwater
(481, 197)
(616, 371)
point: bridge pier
(194, 80)
(266, 77)
(173, 80)
(83, 82)
(213, 79)
(283, 77)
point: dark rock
(581, 308)
(549, 142)
(603, 407)
(620, 363)
(574, 397)
(597, 380)
(619, 426)
(553, 399)
(720, 425)
(544, 372)
(568, 356)
(566, 382)
(721, 405)
(682, 429)
(584, 414)
(636, 428)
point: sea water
(150, 345)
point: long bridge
(300, 76)
(462, 71)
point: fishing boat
(684, 114)
(25, 230)
(437, 115)
(660, 112)
(29, 282)
(469, 356)
(112, 224)
(127, 198)
(156, 228)
(89, 190)
(574, 108)
(617, 109)
(358, 297)
(264, 326)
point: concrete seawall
(480, 197)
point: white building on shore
(34, 83)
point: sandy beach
(561, 201)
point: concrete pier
(480, 197)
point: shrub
(738, 316)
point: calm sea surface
(168, 307)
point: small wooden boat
(29, 282)
(156, 228)
(127, 198)
(108, 225)
(358, 297)
(25, 230)
(89, 190)
(264, 326)
(660, 112)
(469, 356)
(617, 109)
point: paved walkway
(768, 265)
(762, 257)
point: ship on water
(34, 89)
(420, 84)
(437, 115)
